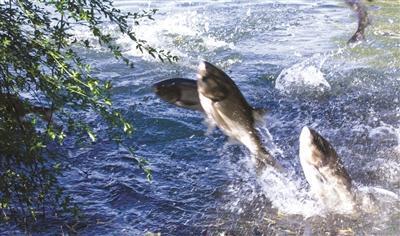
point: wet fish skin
(225, 105)
(363, 20)
(180, 92)
(324, 170)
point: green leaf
(108, 102)
(39, 56)
(92, 136)
(51, 134)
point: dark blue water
(202, 184)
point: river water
(289, 57)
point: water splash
(271, 146)
(288, 194)
(302, 78)
(189, 38)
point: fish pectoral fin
(258, 115)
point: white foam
(269, 141)
(386, 169)
(302, 78)
(384, 130)
(380, 192)
(177, 31)
(289, 195)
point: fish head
(325, 172)
(168, 90)
(212, 82)
(314, 149)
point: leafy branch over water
(43, 82)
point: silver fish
(226, 106)
(324, 171)
(363, 20)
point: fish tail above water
(363, 20)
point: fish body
(324, 171)
(226, 107)
(363, 20)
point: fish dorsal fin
(258, 115)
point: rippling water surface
(289, 57)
